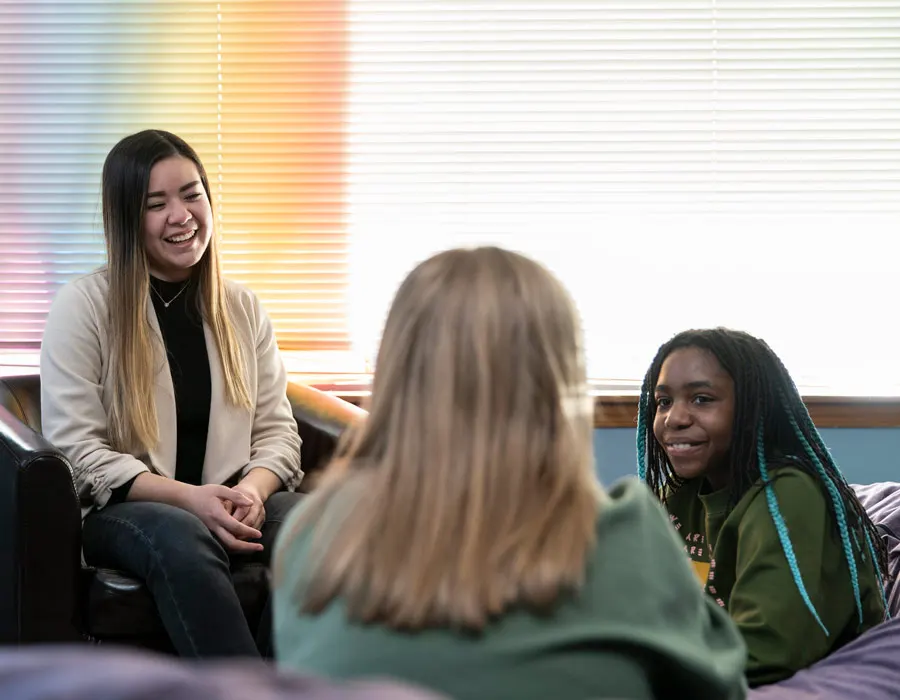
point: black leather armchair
(46, 595)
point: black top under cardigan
(185, 342)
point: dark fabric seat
(46, 595)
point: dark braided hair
(771, 426)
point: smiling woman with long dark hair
(162, 383)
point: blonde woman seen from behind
(460, 540)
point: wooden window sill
(826, 411)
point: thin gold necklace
(166, 304)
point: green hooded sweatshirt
(739, 559)
(640, 627)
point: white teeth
(680, 446)
(182, 238)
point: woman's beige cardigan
(76, 392)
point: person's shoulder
(86, 291)
(791, 479)
(243, 300)
(629, 492)
(88, 284)
(635, 531)
(629, 501)
(238, 290)
(797, 492)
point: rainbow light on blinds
(257, 87)
(741, 155)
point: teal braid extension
(781, 528)
(839, 509)
(870, 548)
(642, 436)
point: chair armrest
(321, 419)
(40, 538)
(321, 410)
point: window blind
(678, 163)
(255, 86)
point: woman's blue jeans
(186, 570)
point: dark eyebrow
(180, 189)
(702, 384)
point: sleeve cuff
(290, 478)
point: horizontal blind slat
(255, 87)
(617, 141)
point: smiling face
(178, 222)
(694, 414)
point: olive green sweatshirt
(640, 628)
(740, 560)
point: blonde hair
(470, 485)
(133, 364)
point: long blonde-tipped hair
(134, 365)
(470, 486)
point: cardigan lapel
(229, 437)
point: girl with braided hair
(770, 525)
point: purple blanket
(866, 669)
(91, 673)
(869, 667)
(882, 503)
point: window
(256, 87)
(677, 163)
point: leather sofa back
(21, 396)
(40, 533)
